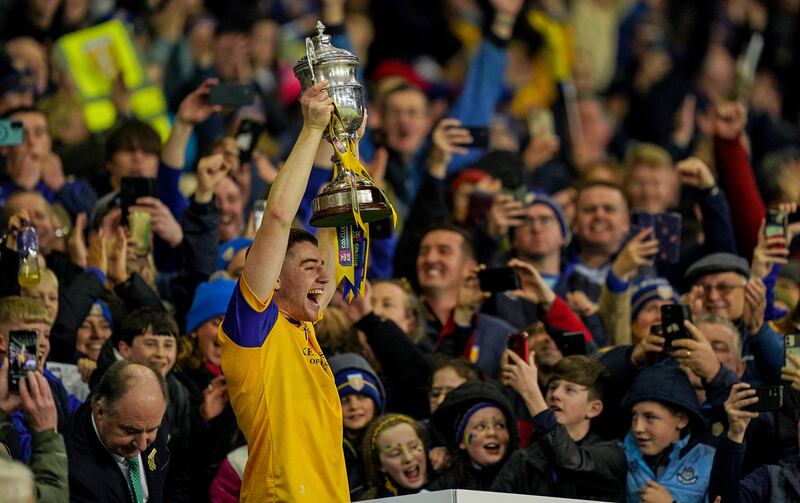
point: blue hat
(100, 308)
(651, 289)
(210, 300)
(462, 424)
(534, 197)
(353, 374)
(667, 384)
(229, 249)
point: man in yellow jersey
(279, 383)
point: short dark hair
(399, 88)
(460, 366)
(297, 236)
(137, 322)
(23, 110)
(116, 382)
(468, 243)
(131, 134)
(582, 370)
(591, 184)
(772, 168)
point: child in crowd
(448, 374)
(44, 292)
(666, 461)
(363, 398)
(565, 458)
(476, 423)
(395, 461)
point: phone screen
(518, 343)
(571, 343)
(666, 229)
(770, 399)
(672, 318)
(478, 208)
(131, 189)
(775, 224)
(498, 279)
(792, 342)
(247, 138)
(259, 206)
(480, 136)
(232, 95)
(22, 355)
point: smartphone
(498, 279)
(672, 318)
(792, 342)
(541, 123)
(518, 343)
(247, 138)
(668, 233)
(666, 229)
(480, 136)
(770, 399)
(11, 133)
(259, 206)
(23, 356)
(571, 343)
(131, 189)
(776, 224)
(478, 208)
(231, 95)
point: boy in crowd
(565, 459)
(149, 337)
(666, 461)
(363, 398)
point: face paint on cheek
(469, 438)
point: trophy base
(334, 209)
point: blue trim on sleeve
(246, 326)
(614, 284)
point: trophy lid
(320, 50)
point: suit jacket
(94, 475)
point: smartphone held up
(23, 356)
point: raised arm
(263, 264)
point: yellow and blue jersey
(286, 403)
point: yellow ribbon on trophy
(352, 241)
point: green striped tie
(134, 479)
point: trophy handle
(311, 58)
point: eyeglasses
(723, 289)
(543, 220)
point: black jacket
(407, 367)
(196, 256)
(555, 465)
(94, 474)
(217, 437)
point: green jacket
(48, 462)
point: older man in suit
(116, 447)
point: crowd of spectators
(598, 114)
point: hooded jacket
(464, 474)
(688, 468)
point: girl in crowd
(478, 426)
(395, 462)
